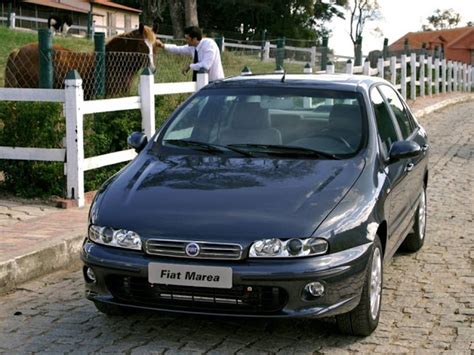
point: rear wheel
(112, 309)
(363, 319)
(414, 241)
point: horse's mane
(141, 34)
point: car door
(410, 132)
(395, 203)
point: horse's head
(141, 40)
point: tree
(248, 19)
(361, 12)
(441, 20)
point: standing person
(205, 53)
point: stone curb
(440, 105)
(66, 254)
(40, 262)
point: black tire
(415, 240)
(112, 309)
(363, 320)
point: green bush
(31, 124)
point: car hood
(224, 199)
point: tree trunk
(176, 14)
(190, 13)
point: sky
(399, 17)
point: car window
(404, 122)
(385, 126)
(333, 122)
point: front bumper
(261, 288)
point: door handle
(410, 167)
(425, 147)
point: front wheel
(363, 319)
(414, 241)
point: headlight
(276, 248)
(119, 238)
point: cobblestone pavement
(428, 298)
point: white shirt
(209, 57)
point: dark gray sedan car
(264, 196)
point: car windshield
(274, 121)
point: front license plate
(190, 275)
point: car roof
(342, 82)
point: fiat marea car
(264, 196)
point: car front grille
(238, 299)
(176, 248)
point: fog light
(315, 289)
(90, 275)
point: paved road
(428, 297)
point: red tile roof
(462, 37)
(114, 5)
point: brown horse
(125, 55)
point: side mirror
(403, 150)
(137, 140)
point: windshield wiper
(208, 147)
(284, 150)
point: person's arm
(172, 48)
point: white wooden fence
(433, 77)
(75, 108)
(426, 77)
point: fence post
(450, 76)
(380, 67)
(313, 57)
(74, 98)
(455, 76)
(324, 53)
(220, 43)
(99, 69)
(147, 97)
(366, 69)
(422, 75)
(413, 76)
(466, 77)
(266, 52)
(436, 78)
(280, 53)
(443, 76)
(263, 44)
(330, 68)
(403, 75)
(349, 67)
(246, 71)
(429, 62)
(45, 43)
(89, 25)
(202, 79)
(385, 48)
(470, 78)
(393, 70)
